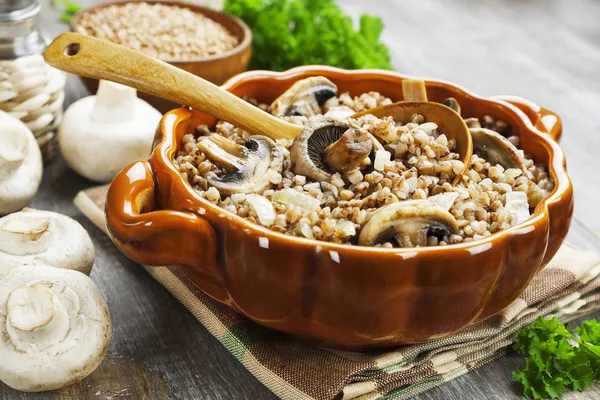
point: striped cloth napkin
(567, 288)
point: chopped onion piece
(291, 196)
(517, 206)
(412, 183)
(382, 158)
(444, 200)
(340, 113)
(263, 209)
(345, 227)
(428, 127)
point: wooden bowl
(339, 295)
(216, 69)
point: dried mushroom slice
(407, 224)
(247, 166)
(304, 98)
(327, 145)
(496, 149)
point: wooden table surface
(544, 50)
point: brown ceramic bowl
(216, 69)
(338, 295)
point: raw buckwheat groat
(407, 161)
(164, 31)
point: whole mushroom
(42, 237)
(20, 164)
(247, 167)
(304, 98)
(407, 224)
(101, 134)
(328, 145)
(55, 327)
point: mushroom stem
(228, 145)
(414, 90)
(349, 151)
(224, 152)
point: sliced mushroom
(247, 166)
(349, 150)
(305, 97)
(496, 149)
(32, 237)
(472, 123)
(407, 224)
(453, 104)
(327, 145)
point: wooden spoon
(99, 59)
(449, 122)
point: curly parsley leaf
(289, 33)
(557, 359)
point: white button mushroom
(101, 134)
(54, 327)
(20, 164)
(42, 237)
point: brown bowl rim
(244, 43)
(556, 168)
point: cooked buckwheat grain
(423, 163)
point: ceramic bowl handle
(543, 119)
(157, 237)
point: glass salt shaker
(30, 90)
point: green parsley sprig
(69, 9)
(556, 358)
(289, 33)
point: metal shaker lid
(18, 10)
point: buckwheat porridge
(367, 180)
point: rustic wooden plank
(546, 50)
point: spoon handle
(99, 59)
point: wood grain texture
(544, 50)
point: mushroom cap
(496, 149)
(308, 149)
(262, 155)
(33, 237)
(407, 224)
(54, 327)
(20, 164)
(305, 97)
